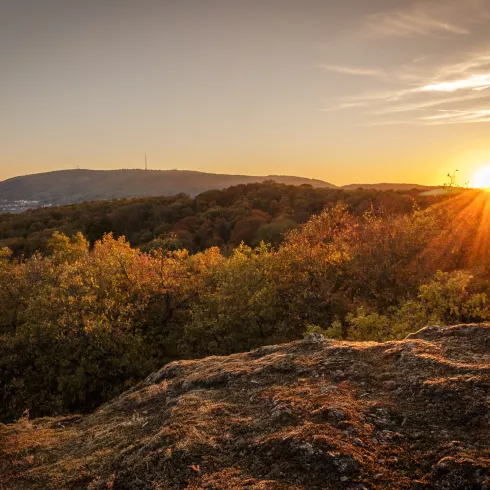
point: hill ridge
(389, 186)
(74, 186)
(62, 187)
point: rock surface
(312, 414)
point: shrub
(80, 324)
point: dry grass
(305, 415)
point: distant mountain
(74, 186)
(387, 187)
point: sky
(352, 91)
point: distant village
(19, 206)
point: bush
(445, 300)
(82, 323)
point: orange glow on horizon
(481, 178)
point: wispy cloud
(440, 85)
(443, 117)
(437, 93)
(475, 82)
(474, 63)
(459, 116)
(344, 105)
(372, 124)
(427, 104)
(354, 70)
(401, 24)
(423, 18)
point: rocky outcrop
(313, 414)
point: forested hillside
(389, 186)
(74, 186)
(81, 322)
(250, 213)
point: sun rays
(464, 241)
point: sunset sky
(346, 91)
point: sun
(481, 178)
